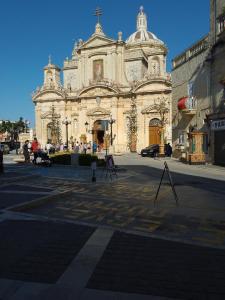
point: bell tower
(51, 75)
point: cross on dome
(142, 34)
(141, 20)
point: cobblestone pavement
(129, 205)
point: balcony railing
(187, 105)
(194, 50)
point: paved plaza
(66, 237)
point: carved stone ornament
(149, 109)
(98, 111)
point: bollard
(1, 162)
(93, 168)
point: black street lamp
(86, 126)
(27, 123)
(66, 122)
(111, 121)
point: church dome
(142, 34)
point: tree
(14, 128)
(54, 126)
(162, 108)
(132, 126)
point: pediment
(98, 111)
(153, 85)
(96, 41)
(49, 115)
(48, 95)
(97, 91)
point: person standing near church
(35, 147)
(169, 150)
(26, 152)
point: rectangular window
(190, 89)
(181, 138)
(221, 23)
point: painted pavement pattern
(127, 206)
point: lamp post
(27, 123)
(86, 126)
(111, 121)
(66, 122)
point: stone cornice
(97, 53)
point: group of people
(85, 148)
(29, 148)
(35, 147)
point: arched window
(155, 122)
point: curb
(38, 202)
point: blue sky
(30, 30)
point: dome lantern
(142, 34)
(142, 20)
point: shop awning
(182, 103)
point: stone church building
(111, 88)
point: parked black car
(151, 150)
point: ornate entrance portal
(99, 129)
(154, 131)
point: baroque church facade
(111, 88)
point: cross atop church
(98, 13)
